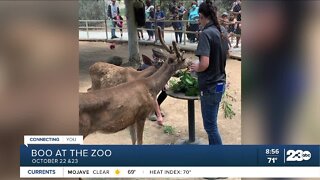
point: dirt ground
(175, 110)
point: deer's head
(175, 56)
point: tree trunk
(134, 58)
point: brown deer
(105, 75)
(113, 109)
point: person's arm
(186, 11)
(203, 52)
(109, 11)
(158, 112)
(202, 65)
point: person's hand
(194, 67)
(160, 120)
(166, 87)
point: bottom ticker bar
(168, 172)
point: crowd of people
(230, 21)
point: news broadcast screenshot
(159, 89)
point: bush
(92, 10)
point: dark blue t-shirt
(210, 45)
(160, 15)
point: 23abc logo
(298, 155)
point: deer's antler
(177, 51)
(171, 49)
(166, 47)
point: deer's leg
(84, 124)
(133, 134)
(140, 127)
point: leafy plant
(226, 106)
(228, 112)
(168, 130)
(92, 10)
(186, 84)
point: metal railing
(87, 27)
(105, 26)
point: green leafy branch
(226, 105)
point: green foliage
(92, 10)
(224, 5)
(168, 130)
(227, 106)
(138, 4)
(187, 84)
(228, 112)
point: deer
(110, 110)
(105, 75)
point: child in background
(226, 44)
(160, 16)
(177, 26)
(119, 23)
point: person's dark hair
(209, 11)
(148, 3)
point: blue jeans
(113, 30)
(210, 100)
